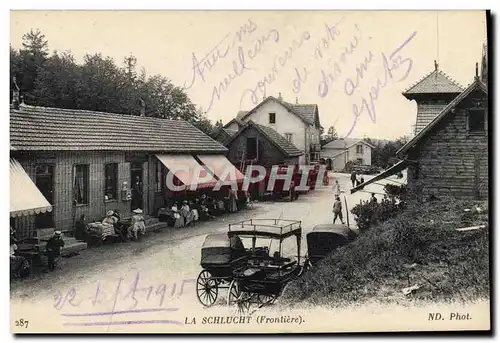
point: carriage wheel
(242, 300)
(206, 288)
(266, 299)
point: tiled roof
(344, 143)
(241, 114)
(435, 82)
(287, 147)
(426, 114)
(476, 85)
(306, 111)
(53, 129)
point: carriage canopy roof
(222, 241)
(271, 228)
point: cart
(263, 276)
(220, 255)
(324, 239)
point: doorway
(137, 182)
(44, 180)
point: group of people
(129, 231)
(20, 266)
(355, 181)
(188, 211)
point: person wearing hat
(137, 225)
(110, 218)
(53, 249)
(186, 213)
(179, 221)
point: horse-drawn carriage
(259, 273)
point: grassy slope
(450, 265)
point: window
(359, 149)
(359, 160)
(160, 179)
(288, 137)
(251, 148)
(476, 120)
(272, 118)
(415, 172)
(81, 184)
(111, 181)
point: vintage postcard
(249, 171)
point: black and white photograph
(270, 172)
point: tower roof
(436, 82)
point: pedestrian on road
(354, 177)
(336, 188)
(337, 210)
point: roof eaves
(404, 149)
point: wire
(437, 38)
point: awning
(25, 197)
(188, 171)
(221, 167)
(400, 166)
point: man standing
(53, 249)
(336, 188)
(337, 210)
(354, 178)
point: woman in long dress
(179, 220)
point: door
(137, 182)
(44, 180)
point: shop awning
(221, 167)
(25, 197)
(400, 166)
(188, 171)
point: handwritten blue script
(396, 63)
(200, 66)
(257, 93)
(123, 293)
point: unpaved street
(157, 272)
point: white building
(298, 123)
(340, 151)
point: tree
(97, 84)
(331, 135)
(384, 151)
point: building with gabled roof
(449, 156)
(87, 162)
(340, 151)
(432, 93)
(299, 123)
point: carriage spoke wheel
(238, 298)
(206, 288)
(265, 300)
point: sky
(353, 65)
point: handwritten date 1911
(125, 294)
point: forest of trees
(97, 84)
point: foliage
(331, 135)
(385, 151)
(97, 84)
(418, 246)
(350, 166)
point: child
(336, 188)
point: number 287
(22, 323)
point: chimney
(15, 95)
(477, 70)
(143, 108)
(280, 98)
(297, 100)
(436, 65)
